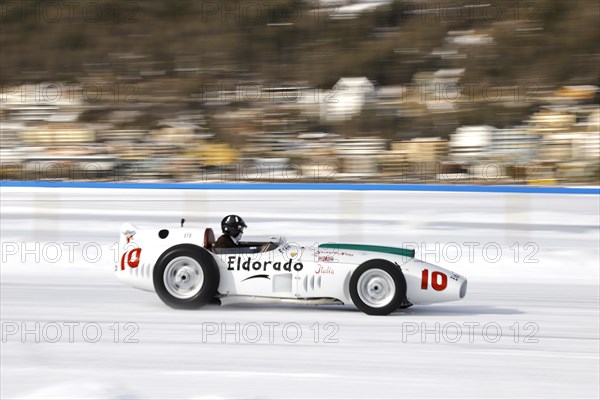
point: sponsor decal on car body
(324, 270)
(235, 263)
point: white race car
(185, 269)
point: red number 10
(439, 280)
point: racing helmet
(233, 225)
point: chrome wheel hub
(183, 277)
(376, 288)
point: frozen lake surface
(529, 326)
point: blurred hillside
(297, 41)
(243, 72)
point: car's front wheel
(186, 277)
(377, 287)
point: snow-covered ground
(529, 326)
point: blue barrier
(309, 186)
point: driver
(233, 228)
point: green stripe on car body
(364, 247)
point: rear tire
(186, 277)
(378, 287)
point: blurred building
(516, 144)
(422, 150)
(471, 143)
(57, 135)
(358, 157)
(346, 99)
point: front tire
(186, 277)
(377, 287)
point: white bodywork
(292, 272)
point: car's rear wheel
(377, 287)
(186, 277)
